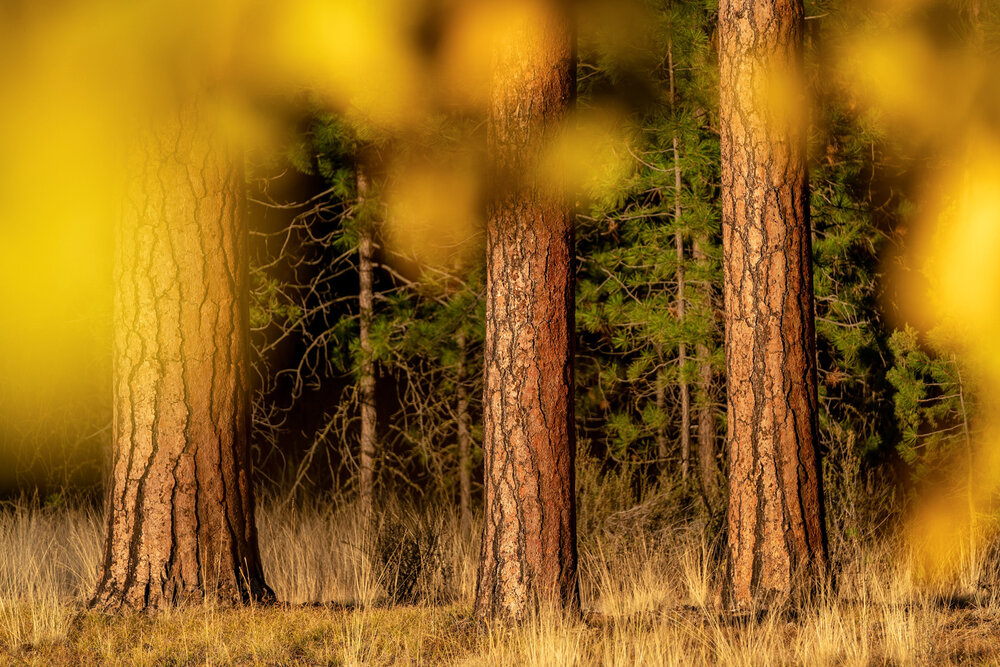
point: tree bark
(367, 370)
(776, 536)
(464, 443)
(708, 467)
(679, 250)
(180, 518)
(528, 552)
(660, 399)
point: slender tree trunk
(529, 534)
(679, 247)
(660, 397)
(970, 459)
(180, 517)
(464, 443)
(776, 536)
(681, 363)
(708, 467)
(367, 371)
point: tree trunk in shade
(464, 443)
(679, 250)
(708, 467)
(529, 534)
(660, 400)
(180, 523)
(367, 370)
(776, 536)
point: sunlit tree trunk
(180, 517)
(529, 534)
(776, 536)
(367, 369)
(464, 442)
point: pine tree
(366, 454)
(934, 405)
(776, 531)
(634, 339)
(180, 524)
(529, 533)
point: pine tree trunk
(681, 363)
(367, 370)
(679, 249)
(180, 522)
(708, 468)
(660, 398)
(464, 443)
(776, 536)
(529, 533)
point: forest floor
(648, 597)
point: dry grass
(649, 594)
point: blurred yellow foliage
(434, 220)
(922, 68)
(80, 77)
(589, 155)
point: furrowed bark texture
(529, 535)
(776, 535)
(367, 379)
(180, 522)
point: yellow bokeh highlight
(434, 215)
(922, 70)
(355, 53)
(895, 63)
(957, 250)
(963, 260)
(589, 156)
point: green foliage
(269, 305)
(932, 402)
(627, 317)
(415, 330)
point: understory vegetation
(401, 592)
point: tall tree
(529, 533)
(464, 440)
(180, 522)
(366, 372)
(776, 529)
(679, 249)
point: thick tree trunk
(776, 536)
(529, 532)
(367, 370)
(180, 522)
(464, 443)
(708, 467)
